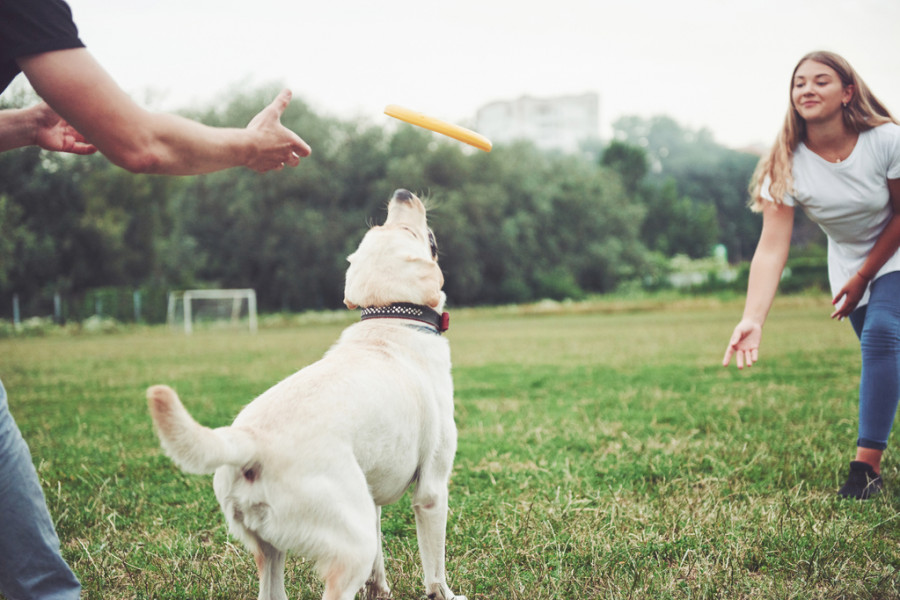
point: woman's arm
(885, 247)
(765, 273)
(84, 94)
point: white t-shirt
(849, 200)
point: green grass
(603, 453)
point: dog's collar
(437, 322)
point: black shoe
(862, 482)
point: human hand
(744, 344)
(852, 293)
(52, 132)
(278, 146)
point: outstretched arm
(84, 94)
(765, 273)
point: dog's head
(397, 261)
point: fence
(127, 305)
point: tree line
(513, 225)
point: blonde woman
(838, 158)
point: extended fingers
(271, 114)
(843, 312)
(837, 298)
(281, 101)
(76, 143)
(299, 149)
(288, 147)
(845, 308)
(82, 149)
(729, 351)
(751, 356)
(743, 356)
(279, 161)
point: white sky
(720, 64)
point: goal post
(216, 305)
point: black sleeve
(32, 27)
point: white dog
(307, 465)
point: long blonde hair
(863, 112)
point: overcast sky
(720, 64)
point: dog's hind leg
(347, 539)
(270, 562)
(377, 587)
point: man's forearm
(81, 92)
(172, 145)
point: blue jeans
(31, 566)
(878, 326)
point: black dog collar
(414, 312)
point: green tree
(676, 224)
(713, 177)
(513, 225)
(630, 162)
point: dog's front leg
(377, 587)
(430, 503)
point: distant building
(562, 123)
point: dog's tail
(193, 447)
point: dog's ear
(347, 302)
(434, 301)
(431, 278)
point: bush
(33, 327)
(805, 273)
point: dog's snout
(403, 195)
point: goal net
(191, 308)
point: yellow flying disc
(449, 129)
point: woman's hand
(851, 293)
(744, 344)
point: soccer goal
(236, 307)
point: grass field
(604, 453)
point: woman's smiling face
(818, 93)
